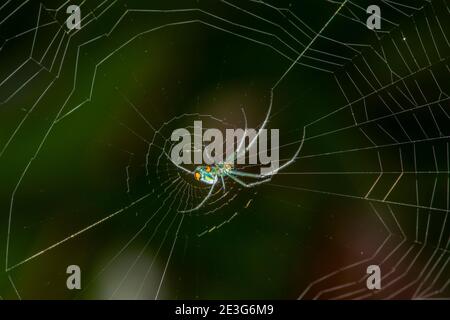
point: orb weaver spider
(211, 174)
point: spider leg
(245, 132)
(248, 185)
(183, 168)
(177, 165)
(263, 125)
(223, 183)
(203, 201)
(290, 161)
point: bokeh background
(76, 121)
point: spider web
(389, 136)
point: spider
(211, 174)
